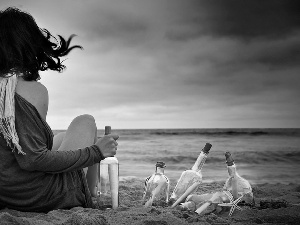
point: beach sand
(131, 210)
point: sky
(174, 63)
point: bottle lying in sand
(108, 181)
(236, 184)
(190, 179)
(203, 203)
(157, 187)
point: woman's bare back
(35, 93)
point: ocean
(261, 155)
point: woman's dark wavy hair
(26, 48)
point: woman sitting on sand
(39, 172)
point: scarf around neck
(7, 111)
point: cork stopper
(160, 164)
(107, 130)
(206, 148)
(229, 159)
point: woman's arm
(39, 158)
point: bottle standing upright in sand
(190, 179)
(157, 187)
(108, 180)
(236, 184)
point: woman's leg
(57, 140)
(81, 133)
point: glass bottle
(157, 187)
(190, 179)
(194, 201)
(236, 184)
(108, 180)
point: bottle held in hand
(157, 187)
(108, 180)
(236, 184)
(190, 179)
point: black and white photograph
(150, 112)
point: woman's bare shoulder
(35, 93)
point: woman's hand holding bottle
(108, 144)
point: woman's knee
(80, 133)
(84, 120)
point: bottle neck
(200, 162)
(160, 170)
(232, 170)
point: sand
(131, 210)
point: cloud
(162, 63)
(277, 54)
(246, 20)
(117, 29)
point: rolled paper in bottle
(104, 179)
(203, 207)
(151, 199)
(186, 193)
(188, 205)
(155, 192)
(198, 199)
(113, 171)
(234, 187)
(149, 202)
(232, 168)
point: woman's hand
(108, 144)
